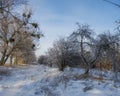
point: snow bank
(39, 80)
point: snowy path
(24, 81)
(44, 81)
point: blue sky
(57, 18)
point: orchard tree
(84, 37)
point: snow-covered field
(39, 80)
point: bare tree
(12, 26)
(109, 46)
(84, 36)
(63, 53)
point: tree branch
(113, 3)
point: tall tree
(12, 27)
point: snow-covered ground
(39, 80)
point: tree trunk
(86, 71)
(11, 60)
(115, 72)
(16, 60)
(2, 61)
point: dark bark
(86, 71)
(2, 61)
(11, 60)
(62, 65)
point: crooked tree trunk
(89, 66)
(83, 58)
(5, 56)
